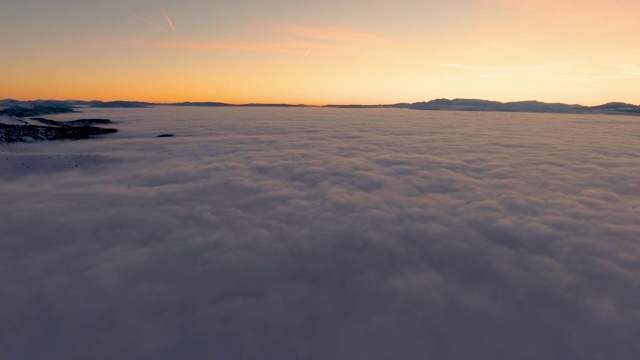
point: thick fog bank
(324, 234)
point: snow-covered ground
(12, 120)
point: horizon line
(316, 105)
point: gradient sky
(318, 52)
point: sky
(319, 52)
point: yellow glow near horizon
(506, 50)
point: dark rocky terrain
(40, 129)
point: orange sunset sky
(316, 52)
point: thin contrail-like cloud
(293, 46)
(169, 21)
(145, 20)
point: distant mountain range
(519, 106)
(44, 107)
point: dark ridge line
(44, 107)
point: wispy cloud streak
(599, 77)
(145, 20)
(231, 45)
(495, 71)
(168, 19)
(333, 34)
(283, 38)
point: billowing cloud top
(324, 234)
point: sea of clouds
(307, 233)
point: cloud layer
(324, 234)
